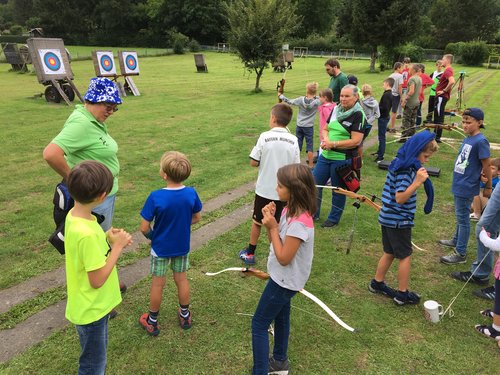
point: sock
(153, 317)
(496, 328)
(251, 248)
(184, 311)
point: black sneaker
(378, 159)
(453, 258)
(278, 367)
(464, 276)
(406, 298)
(381, 288)
(328, 224)
(488, 331)
(485, 293)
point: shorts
(259, 204)
(396, 100)
(177, 264)
(308, 133)
(397, 242)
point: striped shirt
(393, 214)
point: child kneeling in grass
(399, 199)
(91, 277)
(173, 210)
(289, 265)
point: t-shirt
(87, 250)
(336, 84)
(172, 210)
(398, 80)
(435, 76)
(339, 131)
(392, 214)
(426, 82)
(468, 166)
(406, 76)
(385, 104)
(84, 138)
(412, 100)
(274, 149)
(294, 275)
(325, 111)
(494, 182)
(443, 82)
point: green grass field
(215, 119)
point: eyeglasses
(111, 107)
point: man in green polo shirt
(338, 79)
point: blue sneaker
(246, 257)
(381, 288)
(406, 298)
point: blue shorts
(305, 132)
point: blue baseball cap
(102, 90)
(477, 113)
(353, 80)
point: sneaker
(485, 293)
(488, 331)
(381, 288)
(246, 257)
(378, 159)
(473, 217)
(151, 329)
(113, 314)
(185, 323)
(406, 298)
(374, 154)
(453, 258)
(398, 117)
(465, 276)
(328, 224)
(439, 140)
(278, 367)
(448, 243)
(123, 288)
(487, 313)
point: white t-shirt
(274, 149)
(398, 80)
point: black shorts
(396, 100)
(397, 241)
(496, 305)
(259, 204)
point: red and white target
(130, 62)
(106, 63)
(52, 61)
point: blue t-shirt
(468, 166)
(393, 214)
(494, 182)
(172, 211)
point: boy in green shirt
(91, 277)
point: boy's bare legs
(478, 205)
(310, 159)
(182, 283)
(383, 266)
(156, 293)
(404, 273)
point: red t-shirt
(426, 82)
(443, 82)
(406, 77)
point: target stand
(104, 66)
(129, 66)
(199, 61)
(15, 57)
(51, 63)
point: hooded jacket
(371, 109)
(307, 109)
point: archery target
(106, 63)
(52, 61)
(131, 64)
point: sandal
(488, 331)
(487, 313)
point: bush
(455, 49)
(474, 53)
(16, 30)
(179, 42)
(414, 52)
(193, 45)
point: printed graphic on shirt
(463, 159)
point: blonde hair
(366, 89)
(432, 146)
(175, 165)
(312, 88)
(496, 163)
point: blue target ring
(131, 62)
(52, 61)
(106, 63)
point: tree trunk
(373, 59)
(258, 74)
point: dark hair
(397, 65)
(389, 81)
(334, 63)
(406, 60)
(88, 180)
(299, 181)
(176, 166)
(327, 93)
(283, 113)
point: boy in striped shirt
(399, 199)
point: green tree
(257, 30)
(318, 16)
(379, 23)
(465, 20)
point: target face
(131, 64)
(52, 61)
(106, 63)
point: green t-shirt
(336, 84)
(412, 101)
(340, 131)
(84, 138)
(86, 250)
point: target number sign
(52, 61)
(130, 62)
(106, 63)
